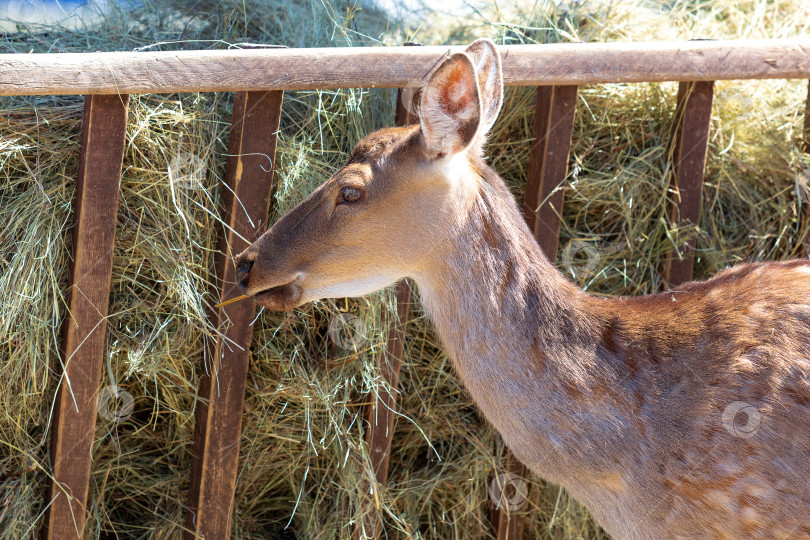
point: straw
(232, 301)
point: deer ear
(450, 107)
(487, 62)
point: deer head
(403, 192)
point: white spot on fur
(750, 515)
(455, 167)
(761, 309)
(720, 499)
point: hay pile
(302, 457)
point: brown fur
(619, 400)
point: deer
(681, 414)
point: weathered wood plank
(407, 100)
(508, 525)
(806, 173)
(548, 168)
(380, 414)
(289, 69)
(548, 164)
(692, 116)
(85, 324)
(246, 200)
(807, 122)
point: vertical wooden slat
(246, 200)
(548, 167)
(405, 114)
(692, 117)
(806, 173)
(380, 414)
(507, 525)
(548, 164)
(84, 327)
(806, 133)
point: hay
(302, 458)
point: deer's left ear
(487, 62)
(450, 107)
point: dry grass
(302, 457)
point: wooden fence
(260, 77)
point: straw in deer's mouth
(242, 297)
(232, 301)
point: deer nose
(243, 266)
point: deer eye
(349, 195)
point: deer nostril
(242, 272)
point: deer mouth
(282, 297)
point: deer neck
(523, 339)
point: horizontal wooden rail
(361, 67)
